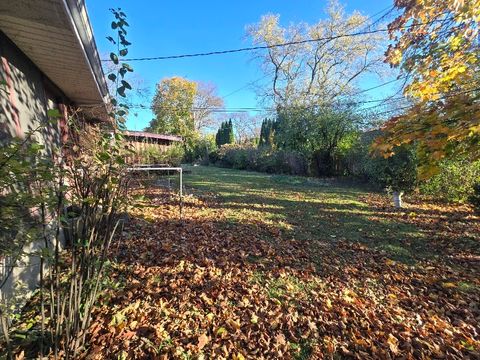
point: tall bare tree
(316, 72)
(206, 101)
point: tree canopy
(319, 72)
(435, 44)
(184, 107)
(172, 106)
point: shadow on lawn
(319, 210)
(216, 258)
(329, 222)
(242, 245)
(319, 225)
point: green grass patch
(308, 209)
(302, 351)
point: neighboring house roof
(147, 135)
(57, 36)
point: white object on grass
(397, 199)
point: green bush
(357, 159)
(455, 182)
(173, 156)
(396, 173)
(243, 157)
(201, 149)
(249, 157)
(283, 162)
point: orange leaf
(202, 341)
(393, 343)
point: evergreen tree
(222, 133)
(218, 136)
(225, 134)
(230, 135)
(261, 141)
(267, 132)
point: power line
(370, 109)
(346, 102)
(379, 86)
(259, 109)
(446, 96)
(387, 99)
(269, 109)
(265, 47)
(386, 10)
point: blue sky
(170, 27)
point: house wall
(25, 96)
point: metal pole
(181, 193)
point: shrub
(201, 149)
(249, 157)
(455, 182)
(396, 173)
(242, 157)
(152, 155)
(173, 155)
(282, 162)
(356, 159)
(474, 198)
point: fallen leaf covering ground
(277, 267)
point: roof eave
(78, 18)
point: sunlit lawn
(308, 209)
(271, 267)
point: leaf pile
(211, 288)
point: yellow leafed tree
(435, 43)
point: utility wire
(446, 96)
(379, 86)
(264, 47)
(370, 109)
(247, 85)
(386, 11)
(346, 102)
(255, 81)
(235, 109)
(287, 44)
(382, 100)
(387, 99)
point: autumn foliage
(435, 45)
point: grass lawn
(308, 209)
(272, 267)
